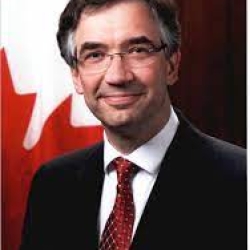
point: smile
(121, 100)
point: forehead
(115, 24)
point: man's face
(123, 95)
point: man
(156, 182)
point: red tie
(117, 233)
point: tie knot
(125, 169)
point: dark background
(211, 90)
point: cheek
(152, 77)
(90, 85)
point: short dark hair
(165, 11)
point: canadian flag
(42, 116)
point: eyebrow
(140, 40)
(131, 41)
(91, 46)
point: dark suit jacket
(198, 200)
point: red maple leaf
(18, 164)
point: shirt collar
(149, 155)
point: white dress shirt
(148, 157)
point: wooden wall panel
(211, 90)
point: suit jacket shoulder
(209, 151)
(74, 159)
(199, 197)
(63, 206)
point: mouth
(121, 100)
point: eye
(140, 49)
(92, 57)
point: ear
(77, 80)
(173, 68)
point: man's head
(164, 11)
(123, 56)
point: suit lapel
(164, 207)
(91, 181)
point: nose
(117, 72)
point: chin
(117, 124)
(125, 122)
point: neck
(128, 138)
